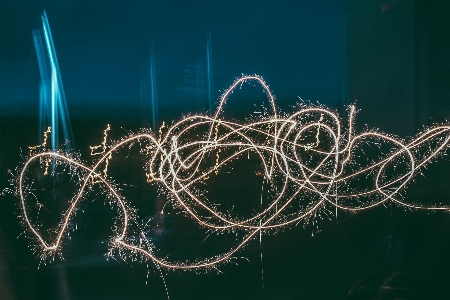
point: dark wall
(399, 63)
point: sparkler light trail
(311, 159)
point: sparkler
(310, 160)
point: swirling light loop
(315, 159)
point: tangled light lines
(312, 160)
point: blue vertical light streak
(153, 94)
(209, 73)
(55, 141)
(54, 83)
(51, 87)
(44, 86)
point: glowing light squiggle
(312, 161)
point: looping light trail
(311, 160)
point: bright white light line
(177, 162)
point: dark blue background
(103, 49)
(390, 58)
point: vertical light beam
(153, 94)
(209, 73)
(59, 111)
(44, 85)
